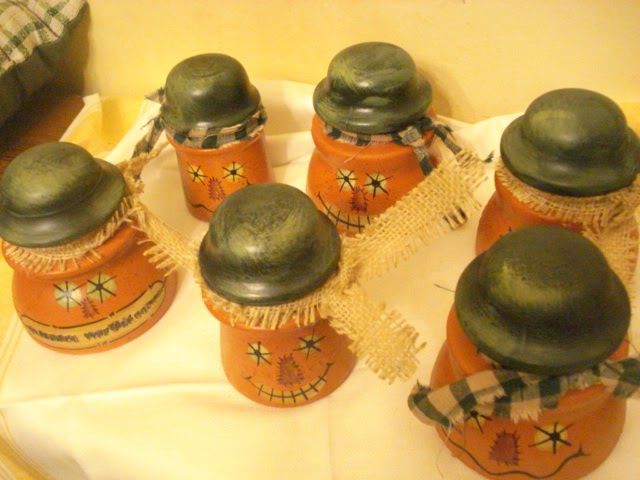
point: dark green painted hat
(267, 244)
(372, 88)
(211, 90)
(55, 193)
(543, 300)
(572, 142)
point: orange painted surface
(352, 184)
(287, 367)
(209, 175)
(564, 443)
(98, 304)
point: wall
(483, 57)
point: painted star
(346, 177)
(101, 287)
(196, 173)
(548, 438)
(234, 172)
(477, 419)
(68, 294)
(376, 182)
(310, 343)
(259, 353)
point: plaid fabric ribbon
(515, 395)
(198, 137)
(411, 136)
(27, 25)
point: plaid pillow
(33, 39)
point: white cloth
(160, 407)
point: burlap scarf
(608, 220)
(516, 395)
(382, 338)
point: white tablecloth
(161, 408)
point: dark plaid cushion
(34, 35)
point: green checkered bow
(199, 137)
(510, 394)
(411, 136)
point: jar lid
(372, 88)
(572, 142)
(267, 244)
(57, 192)
(543, 300)
(211, 90)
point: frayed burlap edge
(64, 257)
(303, 311)
(608, 220)
(381, 338)
(441, 202)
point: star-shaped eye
(101, 287)
(67, 294)
(235, 171)
(346, 178)
(375, 182)
(196, 173)
(259, 353)
(309, 343)
(549, 436)
(477, 420)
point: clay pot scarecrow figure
(292, 317)
(213, 117)
(372, 132)
(570, 160)
(81, 283)
(533, 376)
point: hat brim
(235, 113)
(273, 287)
(70, 224)
(567, 176)
(372, 115)
(501, 338)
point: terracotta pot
(564, 443)
(505, 213)
(95, 305)
(287, 367)
(352, 184)
(209, 175)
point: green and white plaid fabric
(201, 137)
(516, 395)
(411, 136)
(28, 24)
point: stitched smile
(349, 220)
(292, 396)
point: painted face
(210, 175)
(356, 200)
(352, 184)
(285, 367)
(564, 443)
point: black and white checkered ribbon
(411, 136)
(201, 137)
(510, 394)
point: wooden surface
(44, 119)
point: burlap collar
(607, 220)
